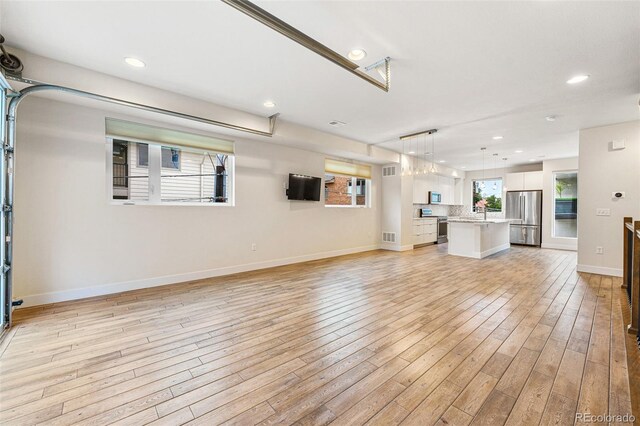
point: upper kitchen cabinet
(421, 190)
(451, 189)
(533, 180)
(523, 181)
(458, 192)
(445, 187)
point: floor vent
(389, 171)
(389, 237)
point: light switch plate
(603, 212)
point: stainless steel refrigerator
(524, 209)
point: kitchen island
(478, 238)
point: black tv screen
(306, 188)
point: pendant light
(433, 154)
(482, 183)
(495, 182)
(424, 161)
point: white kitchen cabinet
(446, 189)
(420, 191)
(458, 192)
(514, 181)
(523, 181)
(423, 184)
(532, 180)
(425, 231)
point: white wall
(70, 242)
(550, 167)
(491, 174)
(603, 171)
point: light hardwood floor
(378, 338)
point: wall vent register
(388, 171)
(389, 237)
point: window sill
(146, 203)
(346, 207)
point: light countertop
(478, 221)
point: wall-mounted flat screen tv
(305, 188)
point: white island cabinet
(477, 238)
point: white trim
(494, 250)
(483, 254)
(571, 247)
(101, 290)
(600, 270)
(395, 247)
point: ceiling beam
(301, 38)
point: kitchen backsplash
(440, 210)
(456, 210)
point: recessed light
(441, 161)
(463, 167)
(497, 138)
(550, 118)
(532, 159)
(519, 151)
(578, 79)
(412, 152)
(134, 62)
(357, 54)
(269, 104)
(337, 123)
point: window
(565, 202)
(489, 190)
(338, 191)
(155, 174)
(170, 156)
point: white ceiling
(471, 69)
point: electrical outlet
(253, 247)
(599, 250)
(603, 212)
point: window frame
(350, 191)
(143, 166)
(151, 202)
(553, 217)
(473, 189)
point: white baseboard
(559, 246)
(600, 270)
(101, 290)
(494, 250)
(396, 247)
(481, 254)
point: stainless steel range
(443, 225)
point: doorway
(565, 204)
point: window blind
(127, 130)
(344, 168)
